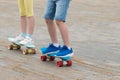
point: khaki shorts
(26, 7)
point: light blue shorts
(56, 9)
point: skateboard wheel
(31, 51)
(52, 58)
(60, 63)
(43, 58)
(69, 63)
(10, 47)
(25, 52)
(18, 47)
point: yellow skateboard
(30, 49)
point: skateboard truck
(14, 46)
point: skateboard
(30, 49)
(64, 61)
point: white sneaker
(26, 41)
(18, 38)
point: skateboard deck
(64, 61)
(30, 48)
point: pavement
(94, 27)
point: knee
(48, 21)
(58, 22)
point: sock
(23, 34)
(29, 35)
(68, 47)
(56, 44)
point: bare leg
(23, 24)
(30, 28)
(31, 24)
(52, 30)
(64, 32)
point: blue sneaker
(50, 49)
(65, 52)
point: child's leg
(60, 16)
(30, 16)
(23, 15)
(52, 30)
(64, 32)
(49, 17)
(61, 12)
(23, 24)
(31, 25)
(30, 22)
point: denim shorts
(56, 9)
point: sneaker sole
(69, 55)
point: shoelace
(26, 39)
(63, 49)
(18, 37)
